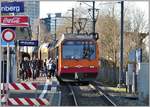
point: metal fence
(108, 73)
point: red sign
(8, 35)
(15, 21)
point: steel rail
(101, 92)
(73, 94)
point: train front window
(77, 50)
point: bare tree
(108, 27)
(136, 30)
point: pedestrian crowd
(35, 68)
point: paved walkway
(37, 80)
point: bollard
(133, 83)
(129, 78)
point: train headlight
(91, 66)
(66, 67)
(78, 66)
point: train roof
(74, 37)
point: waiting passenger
(49, 65)
(53, 68)
(34, 68)
(25, 68)
(45, 68)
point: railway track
(68, 95)
(90, 95)
(106, 97)
(73, 95)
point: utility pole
(72, 20)
(121, 42)
(49, 22)
(94, 21)
(55, 29)
(72, 27)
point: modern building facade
(32, 9)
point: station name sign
(15, 21)
(12, 7)
(28, 42)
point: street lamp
(49, 22)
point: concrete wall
(143, 82)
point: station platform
(39, 92)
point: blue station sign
(12, 7)
(28, 42)
(11, 44)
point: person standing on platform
(45, 68)
(53, 68)
(25, 68)
(34, 68)
(28, 71)
(38, 67)
(49, 65)
(22, 66)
